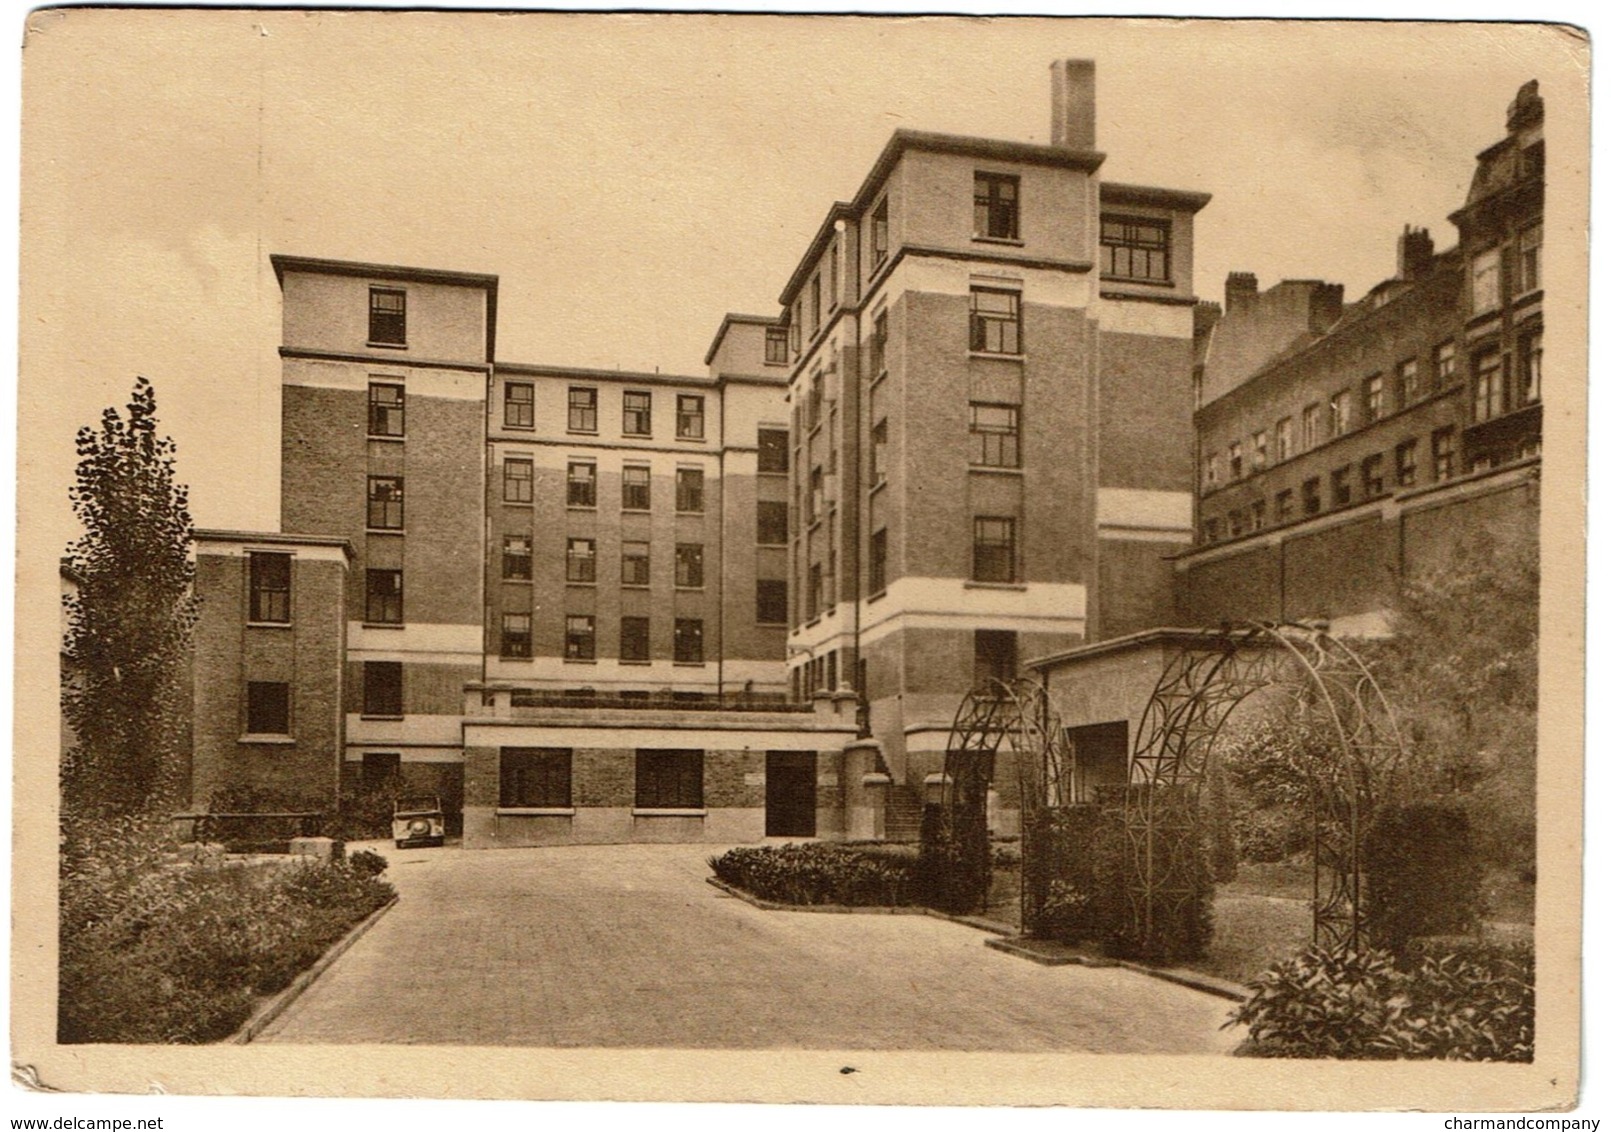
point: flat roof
(1162, 636)
(272, 538)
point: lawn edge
(276, 1005)
(978, 922)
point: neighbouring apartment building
(991, 422)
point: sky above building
(632, 178)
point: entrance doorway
(791, 794)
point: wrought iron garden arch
(1211, 673)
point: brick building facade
(992, 422)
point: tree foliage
(128, 625)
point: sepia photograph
(866, 560)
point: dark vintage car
(418, 820)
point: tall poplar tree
(129, 623)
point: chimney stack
(1074, 104)
(1241, 292)
(1414, 253)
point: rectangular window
(688, 641)
(516, 638)
(880, 453)
(1261, 450)
(1210, 530)
(878, 562)
(1255, 513)
(1446, 364)
(385, 409)
(517, 557)
(583, 409)
(771, 601)
(383, 687)
(690, 565)
(580, 560)
(777, 346)
(383, 597)
(634, 563)
(1530, 356)
(1338, 414)
(1311, 496)
(771, 523)
(581, 484)
(1370, 472)
(1283, 506)
(993, 431)
(635, 639)
(670, 780)
(816, 303)
(579, 637)
(636, 413)
(1238, 522)
(1485, 281)
(995, 206)
(995, 657)
(690, 417)
(268, 708)
(1283, 439)
(517, 481)
(690, 490)
(993, 321)
(270, 587)
(814, 590)
(388, 317)
(995, 551)
(1409, 382)
(1311, 426)
(1528, 248)
(519, 404)
(1135, 248)
(817, 498)
(1404, 463)
(534, 778)
(634, 488)
(1373, 398)
(1211, 471)
(1488, 387)
(385, 503)
(833, 276)
(814, 400)
(1234, 458)
(1442, 454)
(773, 454)
(877, 358)
(1342, 486)
(880, 233)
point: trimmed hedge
(158, 950)
(821, 873)
(1460, 1001)
(1423, 874)
(954, 859)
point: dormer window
(388, 317)
(995, 206)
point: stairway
(903, 814)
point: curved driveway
(626, 945)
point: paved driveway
(626, 945)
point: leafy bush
(155, 949)
(820, 873)
(367, 862)
(1269, 835)
(1424, 875)
(953, 867)
(1462, 1002)
(1075, 874)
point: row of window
(1347, 488)
(1320, 423)
(582, 410)
(581, 485)
(995, 658)
(581, 638)
(1487, 271)
(540, 778)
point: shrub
(1074, 873)
(1461, 1002)
(953, 867)
(1271, 834)
(154, 949)
(1423, 874)
(367, 862)
(819, 873)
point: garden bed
(156, 949)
